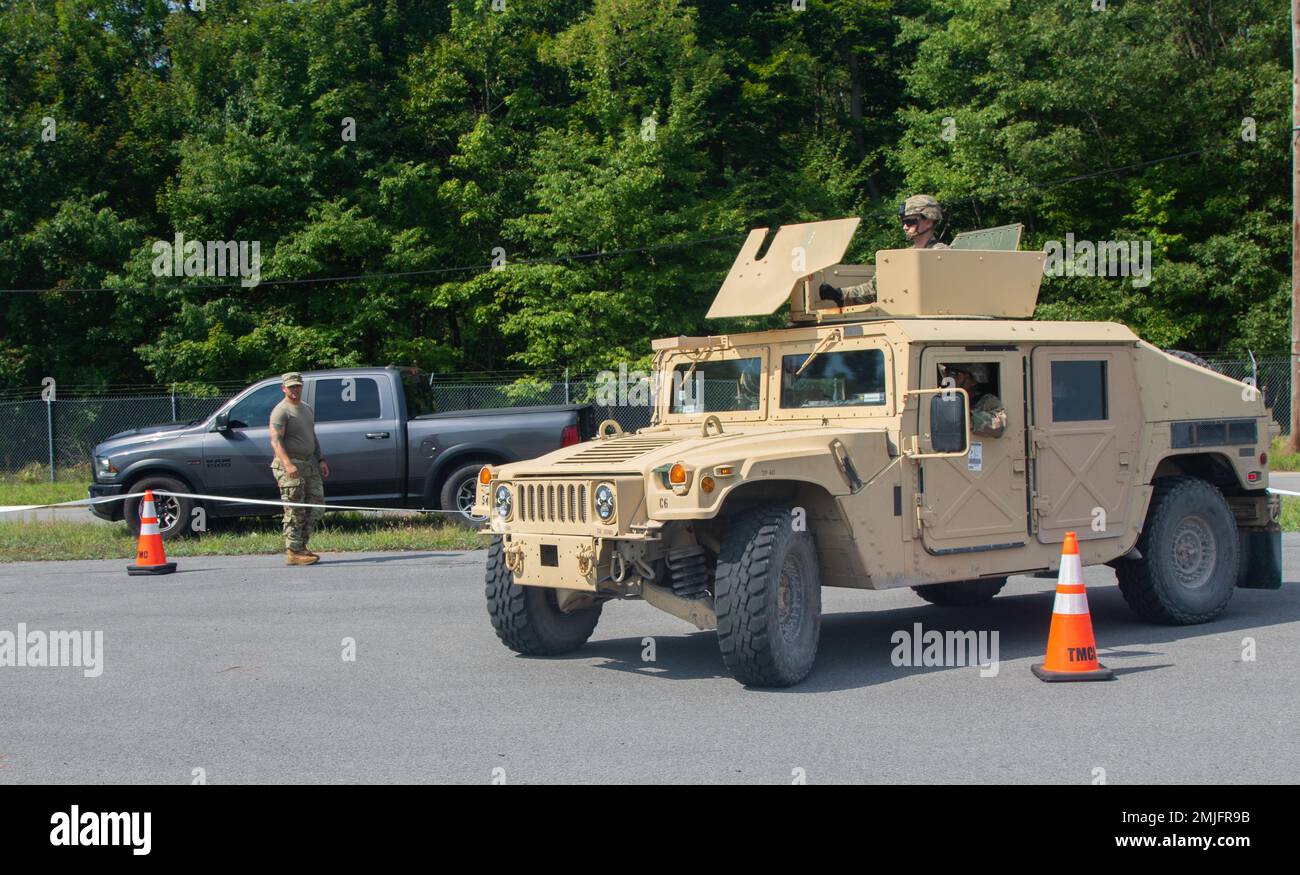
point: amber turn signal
(707, 484)
(485, 475)
(677, 474)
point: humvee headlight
(604, 502)
(502, 501)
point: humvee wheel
(768, 599)
(961, 593)
(527, 619)
(1189, 553)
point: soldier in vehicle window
(988, 416)
(919, 214)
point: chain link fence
(1272, 377)
(40, 440)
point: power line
(480, 268)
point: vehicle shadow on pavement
(856, 647)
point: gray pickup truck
(385, 446)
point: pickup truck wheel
(458, 494)
(1190, 552)
(961, 593)
(768, 599)
(527, 619)
(175, 515)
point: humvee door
(977, 502)
(1086, 424)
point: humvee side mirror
(947, 432)
(222, 423)
(948, 422)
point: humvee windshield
(717, 387)
(855, 378)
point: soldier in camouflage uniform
(988, 416)
(919, 215)
(298, 469)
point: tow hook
(617, 568)
(586, 561)
(514, 558)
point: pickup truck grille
(553, 502)
(618, 449)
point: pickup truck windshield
(719, 386)
(855, 378)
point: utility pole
(1295, 226)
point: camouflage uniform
(306, 488)
(296, 426)
(922, 205)
(988, 416)
(865, 293)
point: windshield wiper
(695, 363)
(825, 344)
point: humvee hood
(639, 453)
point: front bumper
(560, 561)
(109, 510)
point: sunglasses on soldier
(908, 221)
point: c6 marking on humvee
(839, 452)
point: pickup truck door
(360, 436)
(238, 462)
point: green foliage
(559, 128)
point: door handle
(376, 435)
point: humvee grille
(618, 449)
(553, 502)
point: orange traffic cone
(150, 557)
(1071, 649)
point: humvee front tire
(1190, 552)
(767, 595)
(961, 593)
(527, 619)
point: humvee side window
(1079, 391)
(855, 378)
(717, 387)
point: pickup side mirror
(222, 423)
(948, 422)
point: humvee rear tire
(961, 593)
(1190, 553)
(767, 595)
(527, 619)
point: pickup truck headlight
(503, 501)
(104, 468)
(605, 502)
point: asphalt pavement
(234, 670)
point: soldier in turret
(919, 214)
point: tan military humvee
(836, 453)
